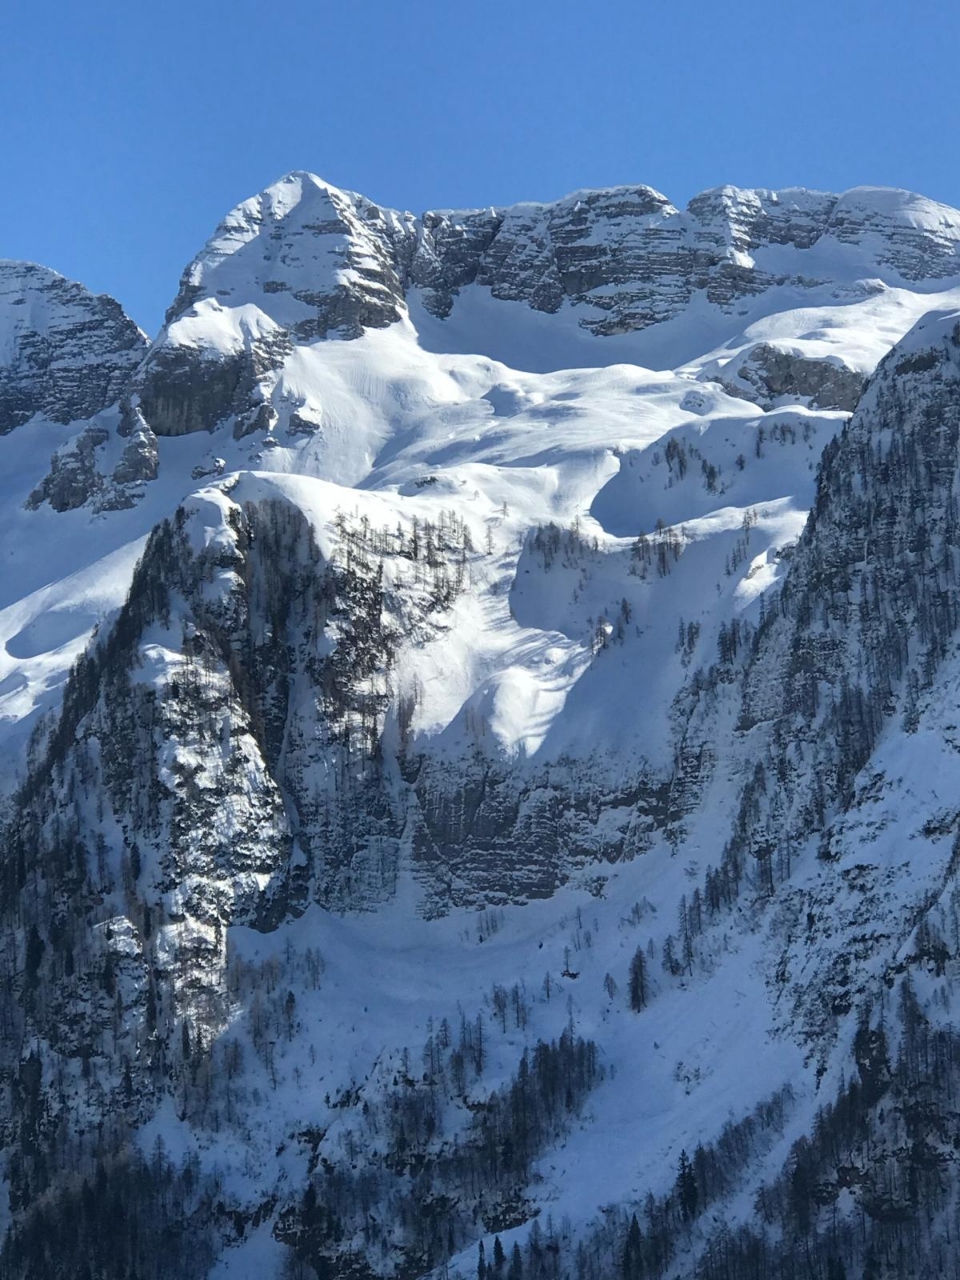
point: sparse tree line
(662, 548)
(871, 1193)
(423, 1197)
(569, 547)
(649, 1241)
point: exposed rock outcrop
(66, 354)
(74, 478)
(771, 376)
(303, 261)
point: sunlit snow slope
(830, 284)
(482, 641)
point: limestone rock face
(184, 388)
(651, 673)
(65, 353)
(325, 256)
(140, 459)
(304, 261)
(915, 237)
(631, 256)
(593, 247)
(73, 478)
(178, 763)
(300, 262)
(80, 472)
(770, 376)
(444, 254)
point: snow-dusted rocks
(73, 479)
(317, 252)
(80, 472)
(138, 463)
(304, 261)
(625, 259)
(511, 796)
(65, 353)
(917, 238)
(294, 264)
(771, 376)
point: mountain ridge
(468, 801)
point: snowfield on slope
(611, 451)
(622, 510)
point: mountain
(67, 354)
(477, 735)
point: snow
(516, 420)
(572, 445)
(853, 331)
(564, 445)
(692, 1059)
(221, 330)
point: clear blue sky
(128, 129)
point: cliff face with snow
(477, 722)
(66, 354)
(303, 261)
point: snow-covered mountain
(476, 723)
(66, 354)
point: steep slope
(66, 356)
(840, 852)
(534, 285)
(65, 353)
(826, 286)
(490, 784)
(851, 685)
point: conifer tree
(631, 1265)
(686, 1188)
(638, 981)
(515, 1270)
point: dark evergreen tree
(686, 1188)
(638, 981)
(631, 1262)
(34, 956)
(515, 1270)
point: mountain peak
(535, 631)
(65, 353)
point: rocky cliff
(507, 807)
(304, 260)
(66, 353)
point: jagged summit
(65, 353)
(301, 227)
(300, 184)
(478, 746)
(596, 278)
